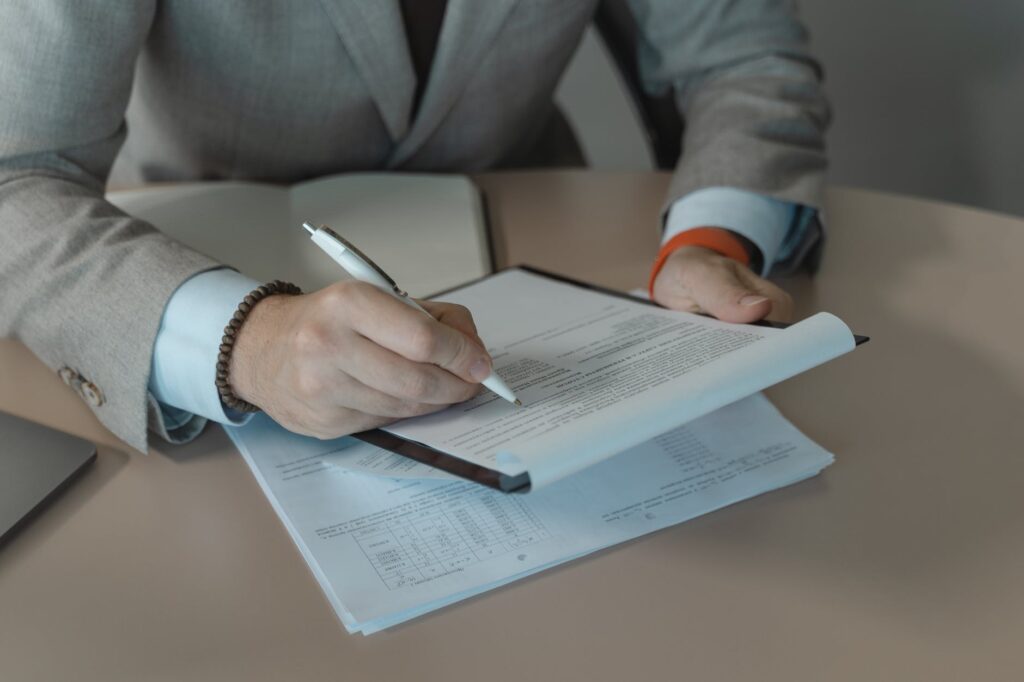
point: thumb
(722, 292)
(392, 324)
(458, 353)
(454, 315)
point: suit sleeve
(748, 91)
(81, 283)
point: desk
(904, 561)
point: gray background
(928, 98)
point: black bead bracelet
(227, 342)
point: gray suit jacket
(281, 91)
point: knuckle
(308, 384)
(337, 295)
(358, 290)
(347, 295)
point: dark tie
(422, 20)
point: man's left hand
(698, 280)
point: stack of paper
(389, 539)
(597, 373)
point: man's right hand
(351, 357)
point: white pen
(359, 265)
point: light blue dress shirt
(187, 344)
(763, 220)
(185, 351)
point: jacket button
(92, 394)
(67, 375)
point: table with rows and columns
(903, 561)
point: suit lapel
(468, 30)
(374, 35)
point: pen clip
(366, 259)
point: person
(280, 92)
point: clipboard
(476, 473)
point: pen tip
(309, 228)
(518, 403)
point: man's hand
(351, 357)
(699, 280)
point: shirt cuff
(802, 220)
(763, 220)
(184, 368)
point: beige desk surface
(904, 561)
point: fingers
(328, 402)
(370, 401)
(394, 375)
(699, 280)
(417, 337)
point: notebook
(409, 222)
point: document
(598, 374)
(389, 539)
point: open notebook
(408, 222)
(598, 373)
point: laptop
(35, 464)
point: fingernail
(751, 299)
(480, 370)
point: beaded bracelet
(227, 342)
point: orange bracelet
(717, 239)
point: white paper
(386, 550)
(370, 460)
(598, 374)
